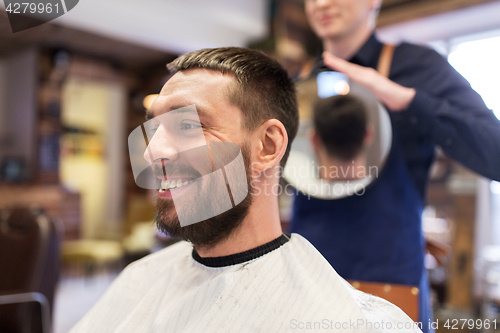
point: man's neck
(348, 45)
(260, 226)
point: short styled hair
(263, 89)
(340, 122)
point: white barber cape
(283, 286)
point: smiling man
(220, 130)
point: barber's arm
(452, 115)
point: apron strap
(385, 59)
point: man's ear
(270, 142)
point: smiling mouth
(175, 184)
(326, 18)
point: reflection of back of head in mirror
(341, 135)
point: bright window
(479, 62)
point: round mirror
(315, 167)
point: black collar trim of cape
(239, 258)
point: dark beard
(211, 231)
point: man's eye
(189, 126)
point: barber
(430, 105)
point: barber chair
(29, 266)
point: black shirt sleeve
(449, 113)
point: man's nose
(161, 146)
(323, 3)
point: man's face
(219, 121)
(338, 18)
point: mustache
(160, 171)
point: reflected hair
(340, 123)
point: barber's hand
(393, 95)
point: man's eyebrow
(178, 109)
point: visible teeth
(172, 185)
